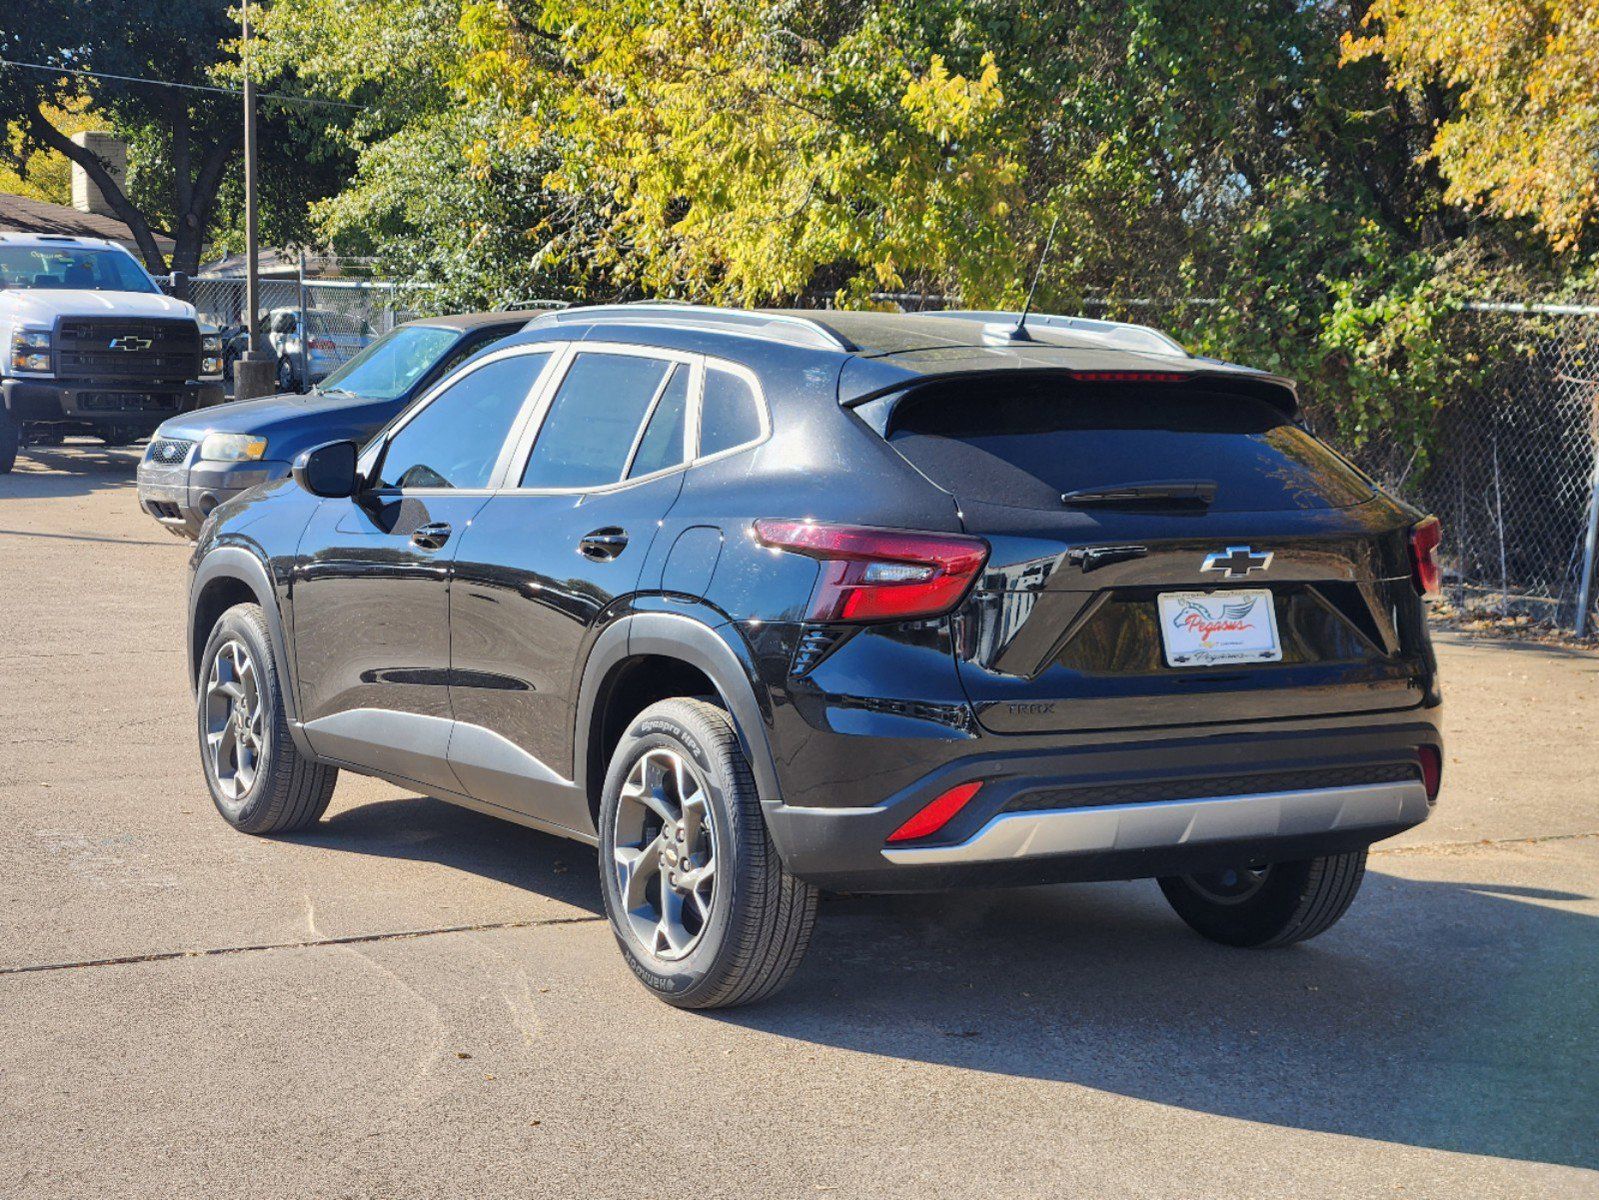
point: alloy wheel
(664, 854)
(234, 724)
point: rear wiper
(1197, 492)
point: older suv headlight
(30, 350)
(232, 447)
(211, 355)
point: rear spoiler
(863, 380)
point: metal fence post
(1591, 542)
(305, 331)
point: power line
(191, 87)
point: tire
(284, 791)
(10, 440)
(286, 380)
(741, 932)
(1275, 906)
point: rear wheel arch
(646, 657)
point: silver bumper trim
(1167, 823)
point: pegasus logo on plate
(1236, 561)
(130, 341)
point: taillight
(318, 343)
(1424, 569)
(879, 574)
(1432, 770)
(937, 814)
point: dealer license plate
(1207, 629)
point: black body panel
(495, 662)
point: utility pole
(251, 280)
(253, 374)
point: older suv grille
(168, 451)
(123, 348)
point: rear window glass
(1024, 445)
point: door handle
(431, 537)
(602, 545)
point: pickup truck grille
(122, 349)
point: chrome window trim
(378, 448)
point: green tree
(1522, 137)
(1216, 167)
(184, 144)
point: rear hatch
(1163, 553)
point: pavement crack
(1436, 847)
(354, 939)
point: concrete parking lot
(415, 1000)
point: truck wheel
(1268, 906)
(10, 438)
(699, 901)
(286, 381)
(259, 781)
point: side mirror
(178, 284)
(328, 471)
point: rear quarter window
(1024, 444)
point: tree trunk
(195, 197)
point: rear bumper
(1125, 812)
(131, 404)
(181, 497)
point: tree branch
(52, 137)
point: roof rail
(1121, 334)
(751, 322)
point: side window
(729, 413)
(593, 421)
(455, 441)
(662, 444)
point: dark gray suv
(759, 603)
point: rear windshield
(1024, 444)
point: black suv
(767, 602)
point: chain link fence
(340, 317)
(1512, 473)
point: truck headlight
(30, 350)
(232, 447)
(211, 354)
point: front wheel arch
(230, 575)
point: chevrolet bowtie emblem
(130, 341)
(1236, 561)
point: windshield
(105, 270)
(393, 363)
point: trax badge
(1236, 561)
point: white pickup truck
(92, 345)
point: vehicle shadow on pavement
(1445, 1015)
(74, 468)
(1449, 1015)
(420, 829)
